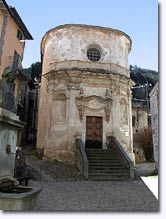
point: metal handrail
(80, 145)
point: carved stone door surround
(94, 103)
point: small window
(93, 54)
(19, 35)
(16, 60)
(133, 121)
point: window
(133, 121)
(15, 61)
(93, 54)
(19, 35)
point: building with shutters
(13, 34)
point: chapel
(85, 91)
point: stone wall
(70, 43)
(139, 122)
(154, 98)
(73, 87)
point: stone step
(107, 160)
(104, 161)
(98, 151)
(106, 167)
(102, 155)
(91, 168)
(108, 176)
(101, 152)
(104, 171)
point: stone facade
(76, 87)
(154, 98)
(140, 122)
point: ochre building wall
(10, 42)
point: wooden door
(94, 131)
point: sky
(137, 18)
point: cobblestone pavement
(64, 190)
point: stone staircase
(106, 165)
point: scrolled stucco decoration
(107, 94)
(107, 109)
(108, 103)
(129, 92)
(81, 109)
(94, 103)
(81, 91)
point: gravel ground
(95, 196)
(64, 190)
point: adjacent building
(140, 123)
(154, 104)
(13, 34)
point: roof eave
(20, 23)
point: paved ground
(95, 196)
(64, 190)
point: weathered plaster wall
(140, 118)
(70, 43)
(140, 122)
(74, 87)
(154, 99)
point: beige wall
(103, 84)
(141, 118)
(140, 123)
(154, 100)
(70, 43)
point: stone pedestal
(19, 201)
(23, 198)
(9, 125)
